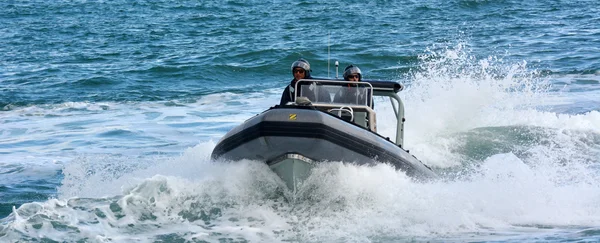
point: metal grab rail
(399, 112)
(377, 88)
(344, 108)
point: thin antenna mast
(328, 51)
(336, 69)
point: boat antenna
(337, 64)
(328, 52)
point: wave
(192, 198)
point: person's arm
(285, 96)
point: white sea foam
(193, 198)
(455, 93)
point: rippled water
(109, 111)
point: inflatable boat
(330, 120)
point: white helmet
(301, 63)
(351, 69)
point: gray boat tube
(316, 135)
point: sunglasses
(298, 71)
(353, 76)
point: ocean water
(109, 111)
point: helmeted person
(351, 73)
(300, 70)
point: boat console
(352, 101)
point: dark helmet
(351, 69)
(301, 63)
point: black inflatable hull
(316, 135)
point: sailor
(351, 73)
(300, 70)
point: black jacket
(288, 95)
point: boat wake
(195, 199)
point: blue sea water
(109, 111)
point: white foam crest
(160, 208)
(519, 194)
(190, 197)
(453, 92)
(358, 203)
(194, 198)
(589, 121)
(103, 175)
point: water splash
(500, 200)
(453, 92)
